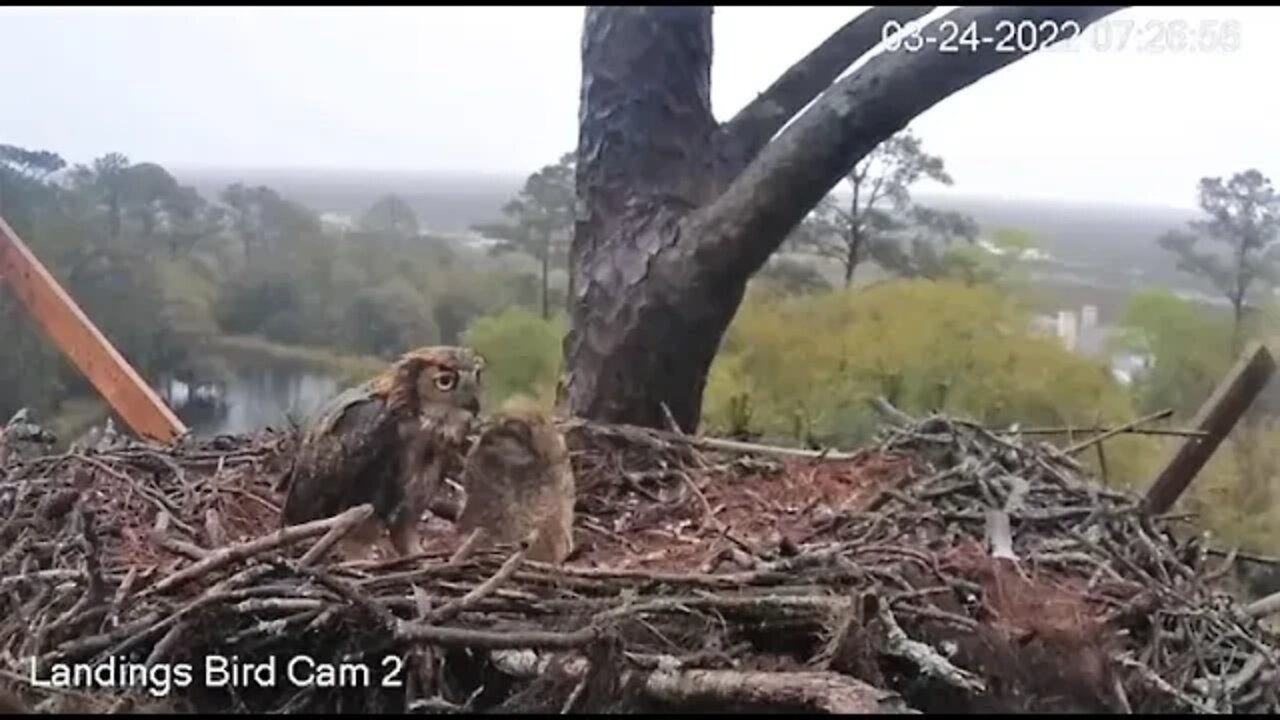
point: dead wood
(799, 691)
(946, 567)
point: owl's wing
(343, 459)
(319, 426)
(334, 410)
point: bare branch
(738, 232)
(742, 138)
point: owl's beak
(473, 405)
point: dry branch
(853, 585)
(754, 126)
(451, 609)
(352, 519)
(484, 640)
(242, 551)
(1097, 439)
(1266, 607)
(790, 175)
(799, 691)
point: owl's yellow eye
(446, 381)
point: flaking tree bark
(676, 212)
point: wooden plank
(1216, 418)
(80, 341)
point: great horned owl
(518, 480)
(386, 442)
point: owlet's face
(451, 376)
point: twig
(924, 657)
(577, 693)
(1122, 697)
(213, 528)
(245, 550)
(660, 437)
(94, 643)
(167, 643)
(740, 446)
(1265, 607)
(486, 640)
(451, 609)
(468, 546)
(1085, 444)
(827, 692)
(354, 518)
(999, 537)
(1154, 680)
(895, 416)
(708, 515)
(158, 499)
(1248, 556)
(352, 594)
(821, 691)
(670, 420)
(681, 626)
(179, 547)
(1103, 429)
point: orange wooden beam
(80, 340)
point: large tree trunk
(645, 160)
(677, 213)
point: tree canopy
(880, 220)
(540, 221)
(1243, 218)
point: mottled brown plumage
(518, 480)
(386, 442)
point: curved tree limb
(740, 139)
(736, 234)
(662, 251)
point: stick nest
(944, 569)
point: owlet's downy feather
(519, 486)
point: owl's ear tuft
(411, 366)
(403, 390)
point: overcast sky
(495, 90)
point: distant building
(474, 240)
(1026, 255)
(1046, 325)
(1088, 317)
(1068, 328)
(1082, 334)
(337, 221)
